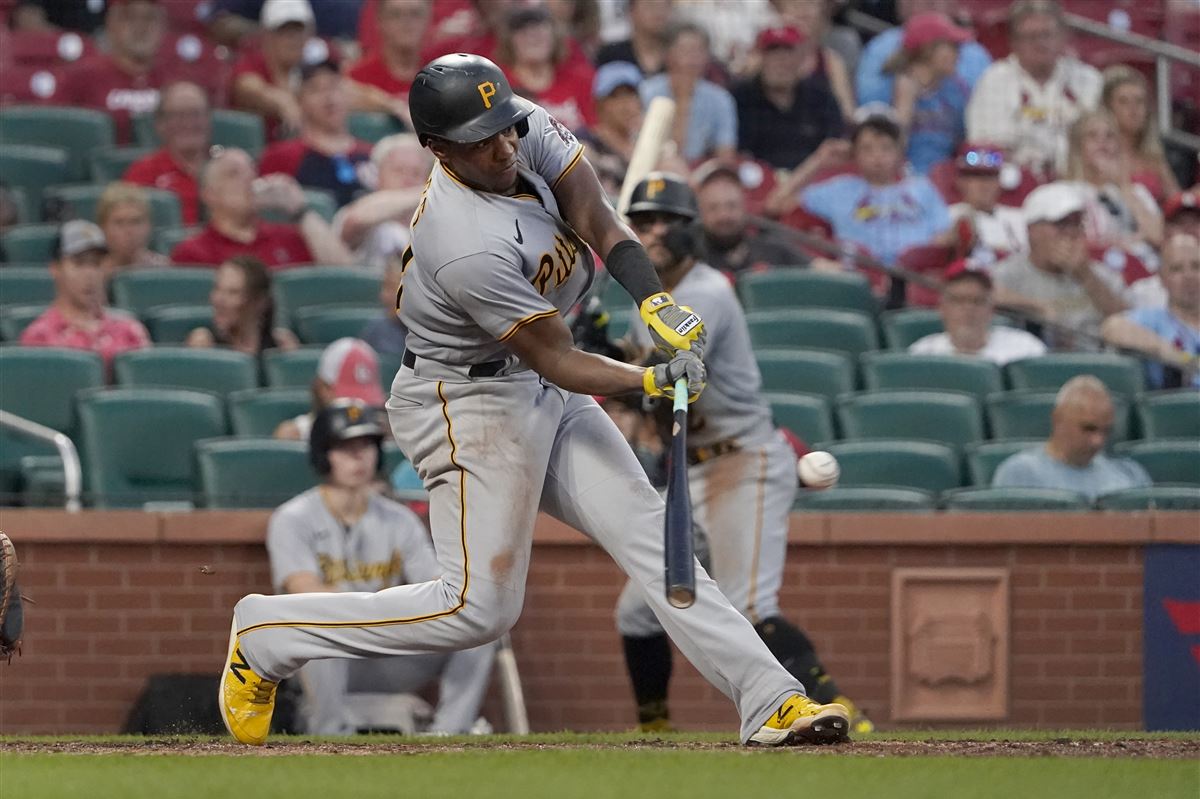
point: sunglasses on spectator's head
(990, 160)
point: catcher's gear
(665, 193)
(674, 328)
(12, 614)
(659, 381)
(342, 420)
(465, 98)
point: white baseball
(818, 470)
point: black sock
(649, 663)
(795, 652)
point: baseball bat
(680, 558)
(656, 127)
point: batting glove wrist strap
(659, 381)
(673, 327)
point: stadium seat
(252, 472)
(892, 370)
(220, 371)
(903, 326)
(258, 411)
(1164, 497)
(1168, 460)
(821, 328)
(303, 287)
(619, 321)
(30, 243)
(124, 466)
(319, 200)
(806, 415)
(372, 127)
(1013, 499)
(1026, 414)
(805, 288)
(1123, 375)
(985, 457)
(615, 298)
(1170, 414)
(31, 168)
(171, 324)
(144, 289)
(230, 128)
(166, 240)
(947, 417)
(78, 131)
(110, 164)
(324, 324)
(15, 318)
(860, 499)
(79, 201)
(291, 369)
(389, 364)
(822, 372)
(25, 285)
(923, 465)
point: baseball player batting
(742, 471)
(493, 407)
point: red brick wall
(110, 613)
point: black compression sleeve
(630, 266)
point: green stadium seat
(619, 322)
(903, 326)
(171, 324)
(15, 318)
(806, 415)
(81, 200)
(1163, 497)
(252, 472)
(1013, 499)
(372, 127)
(126, 466)
(322, 324)
(78, 131)
(258, 411)
(144, 289)
(42, 481)
(220, 371)
(1170, 414)
(26, 285)
(824, 372)
(110, 164)
(229, 129)
(166, 240)
(985, 457)
(819, 328)
(805, 288)
(1168, 460)
(291, 369)
(304, 287)
(864, 499)
(893, 370)
(924, 465)
(29, 243)
(1123, 375)
(615, 298)
(31, 168)
(1026, 414)
(948, 417)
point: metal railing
(72, 471)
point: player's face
(352, 464)
(651, 229)
(1082, 427)
(79, 279)
(127, 230)
(490, 164)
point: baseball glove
(12, 616)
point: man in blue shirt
(1072, 458)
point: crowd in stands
(976, 163)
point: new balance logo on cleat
(237, 663)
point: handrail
(72, 471)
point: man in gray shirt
(1072, 459)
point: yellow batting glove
(659, 380)
(673, 327)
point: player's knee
(484, 622)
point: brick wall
(121, 596)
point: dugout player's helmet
(465, 98)
(342, 420)
(664, 193)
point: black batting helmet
(663, 192)
(342, 420)
(465, 98)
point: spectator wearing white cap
(266, 76)
(1057, 279)
(618, 119)
(348, 369)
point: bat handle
(681, 395)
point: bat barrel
(680, 557)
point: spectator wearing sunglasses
(999, 229)
(325, 155)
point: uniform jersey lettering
(558, 264)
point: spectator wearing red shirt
(265, 77)
(183, 121)
(536, 57)
(325, 155)
(234, 199)
(78, 319)
(381, 80)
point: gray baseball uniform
(493, 449)
(388, 546)
(740, 498)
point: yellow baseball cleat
(246, 699)
(801, 720)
